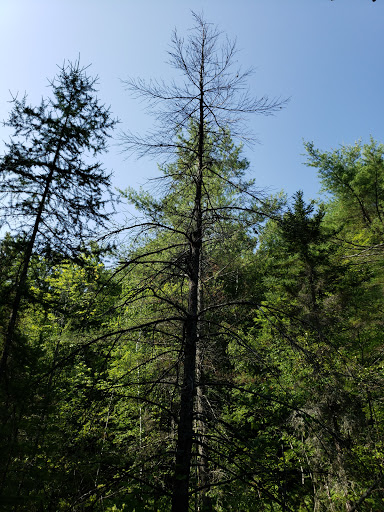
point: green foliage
(54, 409)
(47, 174)
(288, 408)
(354, 176)
(311, 331)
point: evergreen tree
(157, 270)
(320, 324)
(52, 193)
(354, 178)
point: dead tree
(209, 102)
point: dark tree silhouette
(212, 99)
(51, 189)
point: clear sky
(326, 55)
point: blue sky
(327, 56)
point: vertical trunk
(20, 289)
(180, 495)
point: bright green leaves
(354, 176)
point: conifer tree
(53, 194)
(212, 98)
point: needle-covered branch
(53, 194)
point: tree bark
(180, 497)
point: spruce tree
(53, 192)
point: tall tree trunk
(20, 286)
(180, 496)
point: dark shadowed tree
(212, 99)
(52, 190)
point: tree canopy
(227, 354)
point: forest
(221, 349)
